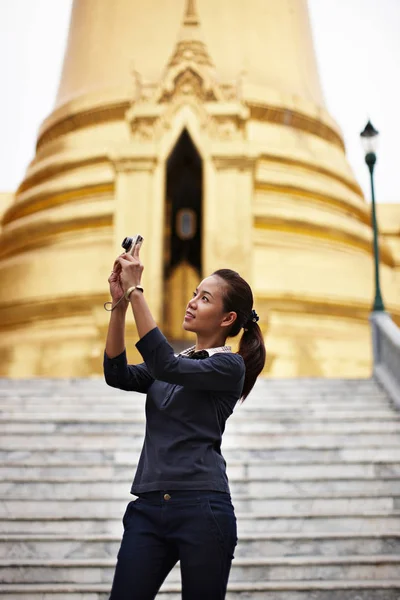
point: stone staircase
(314, 467)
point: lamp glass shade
(369, 138)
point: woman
(183, 510)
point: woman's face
(205, 312)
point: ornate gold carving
(192, 51)
(226, 129)
(188, 82)
(126, 164)
(173, 107)
(190, 71)
(137, 84)
(242, 163)
(143, 128)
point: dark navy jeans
(198, 528)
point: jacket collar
(189, 352)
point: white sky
(358, 50)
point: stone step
(264, 590)
(276, 507)
(307, 523)
(252, 470)
(292, 439)
(126, 427)
(258, 397)
(242, 490)
(280, 383)
(266, 400)
(25, 459)
(136, 407)
(262, 388)
(261, 395)
(243, 569)
(23, 546)
(67, 487)
(131, 416)
(108, 412)
(310, 455)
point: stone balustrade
(386, 348)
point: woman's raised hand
(130, 269)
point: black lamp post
(369, 138)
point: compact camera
(130, 243)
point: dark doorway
(183, 230)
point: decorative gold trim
(79, 120)
(20, 314)
(350, 183)
(34, 235)
(293, 190)
(287, 303)
(291, 118)
(242, 163)
(46, 173)
(115, 112)
(127, 164)
(49, 200)
(322, 232)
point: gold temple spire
(191, 17)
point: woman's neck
(211, 341)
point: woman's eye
(194, 295)
(205, 298)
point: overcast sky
(358, 51)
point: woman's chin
(187, 325)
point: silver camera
(129, 244)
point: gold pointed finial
(190, 44)
(191, 17)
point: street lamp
(369, 139)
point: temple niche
(205, 130)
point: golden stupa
(202, 127)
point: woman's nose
(192, 302)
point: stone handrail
(386, 350)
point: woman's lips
(189, 315)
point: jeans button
(167, 497)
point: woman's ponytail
(238, 297)
(252, 349)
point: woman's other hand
(116, 289)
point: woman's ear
(229, 319)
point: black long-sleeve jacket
(188, 402)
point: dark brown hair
(238, 298)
